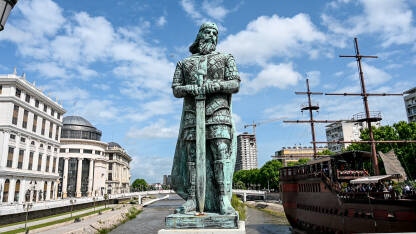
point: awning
(370, 179)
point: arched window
(51, 194)
(27, 196)
(17, 191)
(6, 190)
(45, 187)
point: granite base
(240, 230)
(208, 220)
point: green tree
(405, 151)
(140, 185)
(326, 152)
(269, 174)
(301, 161)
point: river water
(151, 220)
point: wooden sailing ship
(335, 194)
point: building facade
(118, 179)
(345, 131)
(410, 104)
(88, 166)
(30, 127)
(246, 152)
(293, 154)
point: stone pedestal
(208, 220)
(240, 230)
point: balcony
(375, 116)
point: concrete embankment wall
(18, 217)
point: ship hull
(311, 206)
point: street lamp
(5, 7)
(27, 206)
(72, 201)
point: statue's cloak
(180, 171)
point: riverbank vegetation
(239, 206)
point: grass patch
(131, 214)
(55, 222)
(47, 217)
(239, 206)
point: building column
(5, 149)
(22, 192)
(79, 175)
(90, 177)
(12, 187)
(65, 179)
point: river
(151, 219)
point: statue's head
(206, 40)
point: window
(110, 176)
(110, 156)
(12, 136)
(27, 98)
(40, 162)
(87, 151)
(22, 139)
(24, 124)
(50, 129)
(43, 126)
(54, 165)
(30, 161)
(20, 161)
(48, 161)
(97, 152)
(59, 116)
(35, 123)
(18, 92)
(6, 190)
(17, 191)
(36, 103)
(41, 146)
(55, 149)
(10, 157)
(62, 150)
(1, 88)
(57, 132)
(74, 151)
(110, 166)
(15, 114)
(52, 112)
(45, 107)
(49, 147)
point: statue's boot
(190, 204)
(224, 187)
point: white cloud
(151, 168)
(103, 87)
(162, 106)
(272, 76)
(275, 36)
(372, 75)
(154, 131)
(214, 9)
(391, 19)
(161, 21)
(314, 78)
(96, 110)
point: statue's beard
(206, 46)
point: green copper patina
(205, 153)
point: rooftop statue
(205, 152)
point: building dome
(114, 144)
(76, 127)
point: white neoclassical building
(88, 166)
(30, 126)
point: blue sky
(112, 62)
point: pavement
(33, 223)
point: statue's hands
(195, 90)
(212, 87)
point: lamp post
(27, 206)
(5, 7)
(72, 201)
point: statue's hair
(194, 47)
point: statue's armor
(220, 68)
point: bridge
(245, 193)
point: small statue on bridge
(205, 153)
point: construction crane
(254, 125)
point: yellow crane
(254, 125)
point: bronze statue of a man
(212, 77)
